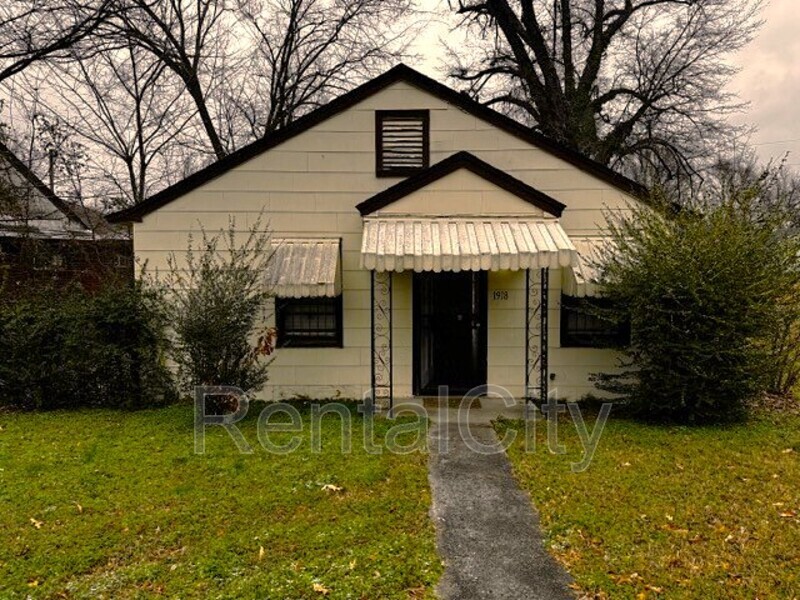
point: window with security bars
(401, 142)
(583, 326)
(309, 322)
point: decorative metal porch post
(536, 338)
(381, 333)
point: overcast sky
(769, 80)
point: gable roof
(399, 73)
(451, 164)
(45, 190)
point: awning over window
(581, 280)
(464, 244)
(304, 267)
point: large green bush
(70, 348)
(216, 295)
(704, 290)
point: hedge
(71, 348)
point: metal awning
(581, 280)
(304, 267)
(464, 244)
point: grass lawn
(107, 504)
(672, 512)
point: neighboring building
(422, 240)
(46, 240)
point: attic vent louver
(401, 142)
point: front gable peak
(401, 196)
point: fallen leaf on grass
(352, 564)
(33, 583)
(790, 514)
(625, 579)
(37, 524)
(675, 529)
(321, 589)
(788, 451)
(79, 507)
(329, 487)
(261, 552)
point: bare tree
(65, 154)
(124, 104)
(308, 50)
(303, 51)
(32, 30)
(632, 83)
(775, 187)
(170, 84)
(43, 140)
(188, 37)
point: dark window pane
(583, 327)
(309, 321)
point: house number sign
(500, 295)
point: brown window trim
(380, 115)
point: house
(422, 240)
(45, 239)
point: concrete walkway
(487, 532)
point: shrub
(216, 299)
(703, 291)
(69, 348)
(784, 346)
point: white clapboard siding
(308, 187)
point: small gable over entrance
(463, 214)
(462, 184)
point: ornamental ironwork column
(544, 363)
(381, 333)
(536, 338)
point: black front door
(449, 331)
